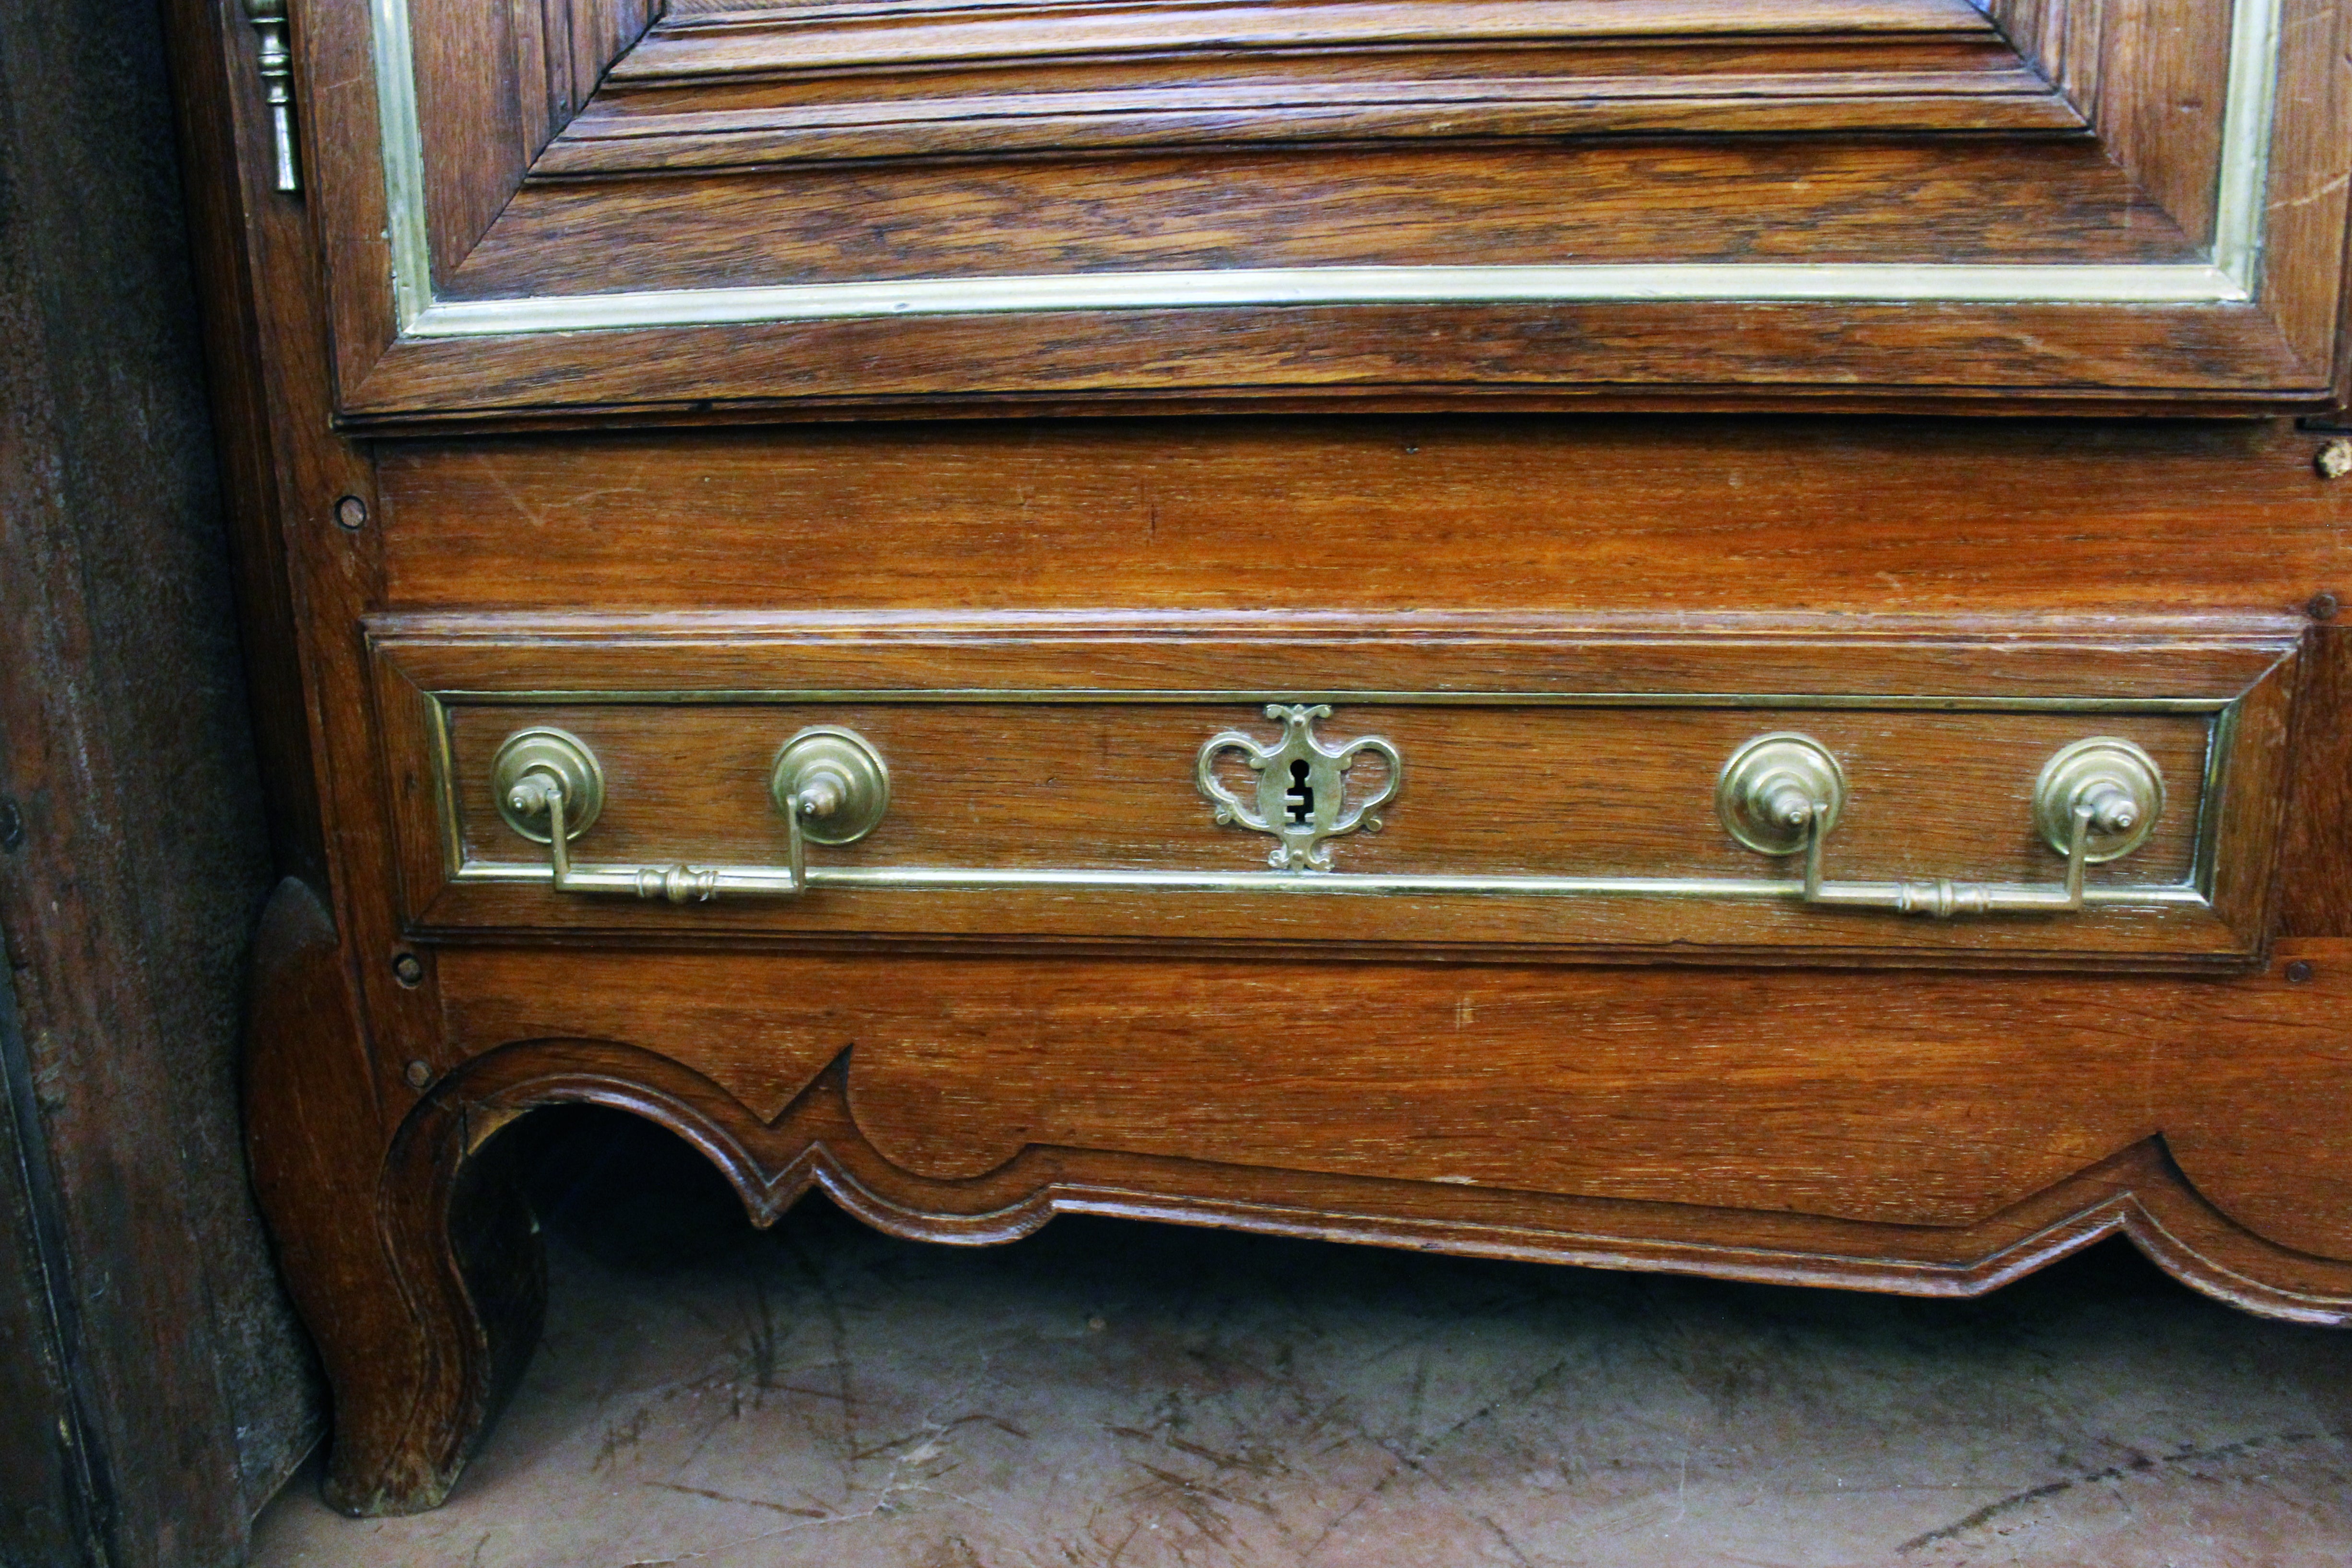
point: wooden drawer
(1488, 788)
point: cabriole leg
(410, 1252)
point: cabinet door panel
(578, 202)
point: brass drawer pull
(2096, 800)
(1779, 795)
(830, 785)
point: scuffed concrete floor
(1111, 1395)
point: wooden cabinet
(1402, 622)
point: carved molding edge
(816, 1142)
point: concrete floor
(1140, 1396)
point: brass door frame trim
(2229, 276)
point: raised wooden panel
(494, 82)
(1828, 203)
(2102, 202)
(752, 88)
(2144, 72)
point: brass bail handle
(2096, 800)
(828, 782)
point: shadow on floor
(1131, 1396)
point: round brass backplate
(1766, 769)
(545, 749)
(2077, 772)
(855, 770)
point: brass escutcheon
(1300, 760)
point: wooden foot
(409, 1251)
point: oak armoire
(1694, 635)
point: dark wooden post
(153, 1390)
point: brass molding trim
(1893, 702)
(983, 878)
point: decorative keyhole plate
(1302, 786)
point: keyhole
(1301, 797)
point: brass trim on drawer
(1780, 794)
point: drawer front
(1768, 795)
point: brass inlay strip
(1891, 701)
(976, 878)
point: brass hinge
(277, 70)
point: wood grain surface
(2317, 843)
(494, 83)
(2149, 76)
(813, 83)
(1492, 792)
(2139, 1192)
(1673, 357)
(827, 1120)
(1767, 1094)
(1803, 200)
(46, 1489)
(1502, 790)
(156, 1387)
(699, 43)
(429, 1304)
(2317, 851)
(1667, 517)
